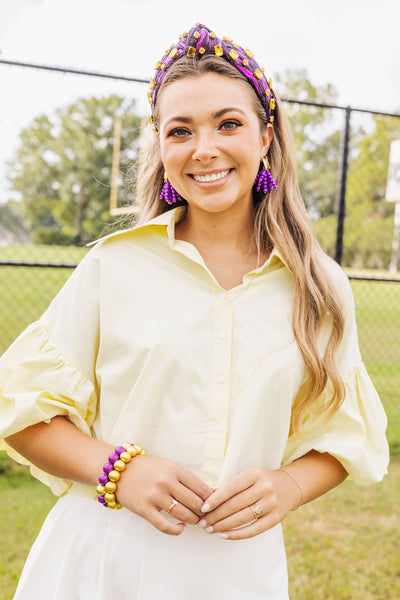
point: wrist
(296, 494)
(112, 471)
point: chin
(214, 207)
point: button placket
(220, 387)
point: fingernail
(223, 535)
(202, 523)
(205, 507)
(209, 529)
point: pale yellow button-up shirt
(142, 344)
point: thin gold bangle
(298, 485)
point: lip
(209, 184)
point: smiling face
(211, 141)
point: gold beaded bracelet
(112, 470)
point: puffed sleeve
(50, 368)
(355, 435)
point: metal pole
(341, 199)
(115, 165)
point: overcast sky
(353, 44)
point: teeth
(212, 177)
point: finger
(180, 511)
(233, 505)
(162, 524)
(259, 526)
(238, 519)
(189, 499)
(227, 490)
(194, 483)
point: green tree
(62, 169)
(316, 132)
(368, 226)
(11, 218)
(369, 218)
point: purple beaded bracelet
(112, 472)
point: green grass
(378, 319)
(24, 503)
(41, 253)
(343, 546)
(26, 292)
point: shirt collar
(274, 259)
(167, 219)
(170, 218)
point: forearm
(61, 449)
(315, 474)
(148, 483)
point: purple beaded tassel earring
(168, 192)
(264, 178)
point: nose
(205, 148)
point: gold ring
(256, 510)
(173, 503)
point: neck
(218, 232)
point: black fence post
(341, 198)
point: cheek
(249, 155)
(169, 158)
(175, 153)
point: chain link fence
(59, 190)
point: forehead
(207, 93)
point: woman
(215, 334)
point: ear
(267, 135)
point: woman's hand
(149, 485)
(275, 492)
(230, 506)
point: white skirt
(85, 551)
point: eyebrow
(216, 115)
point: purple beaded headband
(201, 41)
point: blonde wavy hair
(280, 220)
